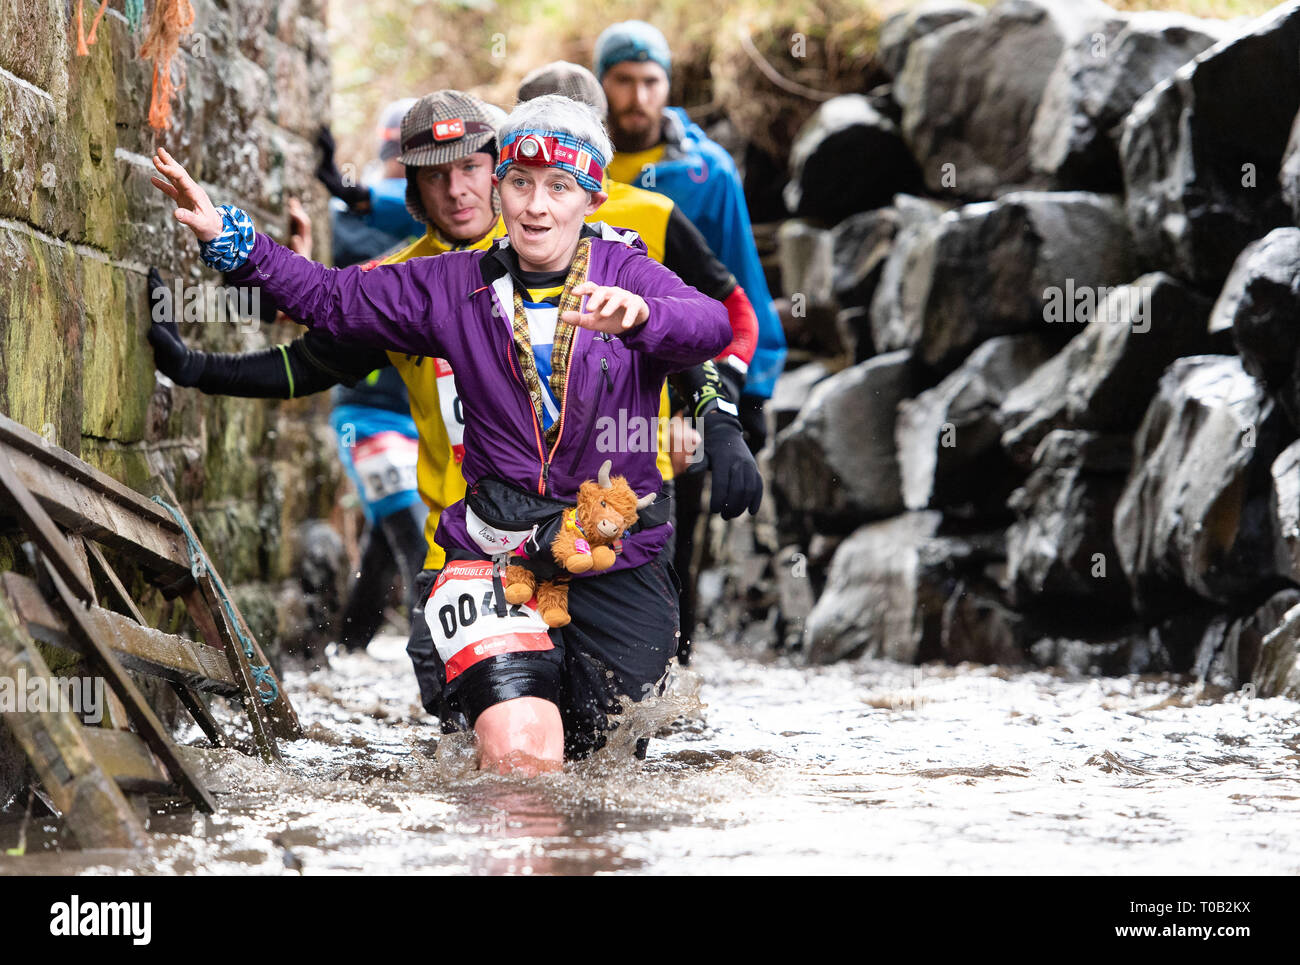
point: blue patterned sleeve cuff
(231, 248)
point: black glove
(736, 485)
(170, 354)
(328, 173)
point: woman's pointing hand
(608, 309)
(193, 207)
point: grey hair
(555, 112)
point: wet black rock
(997, 268)
(873, 602)
(1202, 151)
(970, 90)
(848, 157)
(903, 29)
(1195, 514)
(1107, 653)
(807, 306)
(1105, 377)
(979, 626)
(1231, 647)
(1060, 551)
(860, 246)
(1260, 304)
(1277, 671)
(836, 461)
(1284, 505)
(949, 450)
(889, 589)
(792, 389)
(1075, 138)
(854, 327)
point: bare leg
(522, 736)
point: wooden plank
(85, 501)
(283, 718)
(191, 701)
(77, 547)
(42, 530)
(142, 715)
(96, 811)
(252, 701)
(126, 758)
(139, 648)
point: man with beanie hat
(659, 148)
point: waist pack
(500, 516)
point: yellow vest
(429, 382)
(628, 165)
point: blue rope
(134, 13)
(267, 689)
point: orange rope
(82, 39)
(170, 19)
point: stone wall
(80, 225)
(1042, 399)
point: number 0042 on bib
(463, 621)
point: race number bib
(462, 618)
(385, 463)
(453, 416)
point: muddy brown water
(764, 766)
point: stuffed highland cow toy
(585, 538)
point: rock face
(873, 602)
(860, 246)
(807, 309)
(1074, 142)
(848, 158)
(1194, 515)
(1060, 551)
(836, 461)
(1285, 510)
(949, 450)
(903, 29)
(997, 268)
(80, 224)
(1230, 652)
(1277, 671)
(970, 91)
(1202, 151)
(1105, 377)
(1260, 303)
(792, 389)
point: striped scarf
(563, 346)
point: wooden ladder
(69, 510)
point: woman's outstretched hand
(193, 207)
(608, 309)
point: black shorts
(617, 648)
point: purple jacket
(443, 307)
